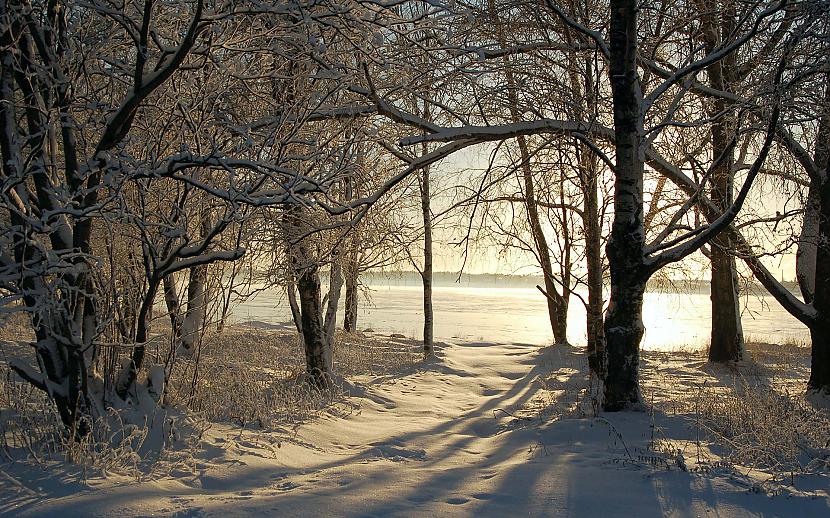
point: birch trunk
(316, 351)
(128, 375)
(805, 258)
(557, 303)
(623, 321)
(426, 273)
(308, 313)
(593, 259)
(330, 322)
(820, 188)
(194, 319)
(352, 270)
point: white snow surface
(445, 439)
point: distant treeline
(497, 280)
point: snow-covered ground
(485, 430)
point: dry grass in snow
(480, 430)
(246, 376)
(484, 429)
(751, 418)
(249, 375)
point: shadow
(447, 484)
(475, 463)
(22, 487)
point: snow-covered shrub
(129, 441)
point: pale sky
(489, 259)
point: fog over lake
(508, 311)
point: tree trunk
(59, 349)
(593, 259)
(330, 322)
(194, 318)
(296, 314)
(819, 381)
(350, 310)
(583, 85)
(226, 294)
(171, 299)
(820, 330)
(820, 186)
(623, 321)
(351, 266)
(128, 375)
(557, 304)
(727, 340)
(805, 258)
(316, 350)
(352, 271)
(623, 332)
(309, 312)
(426, 273)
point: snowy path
(434, 443)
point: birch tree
(631, 258)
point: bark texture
(623, 321)
(820, 329)
(593, 257)
(296, 313)
(350, 274)
(335, 288)
(317, 355)
(727, 340)
(426, 272)
(171, 299)
(820, 187)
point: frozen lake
(504, 314)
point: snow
(484, 429)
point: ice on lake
(519, 315)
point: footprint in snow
(287, 486)
(397, 454)
(420, 497)
(457, 500)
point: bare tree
(632, 260)
(93, 99)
